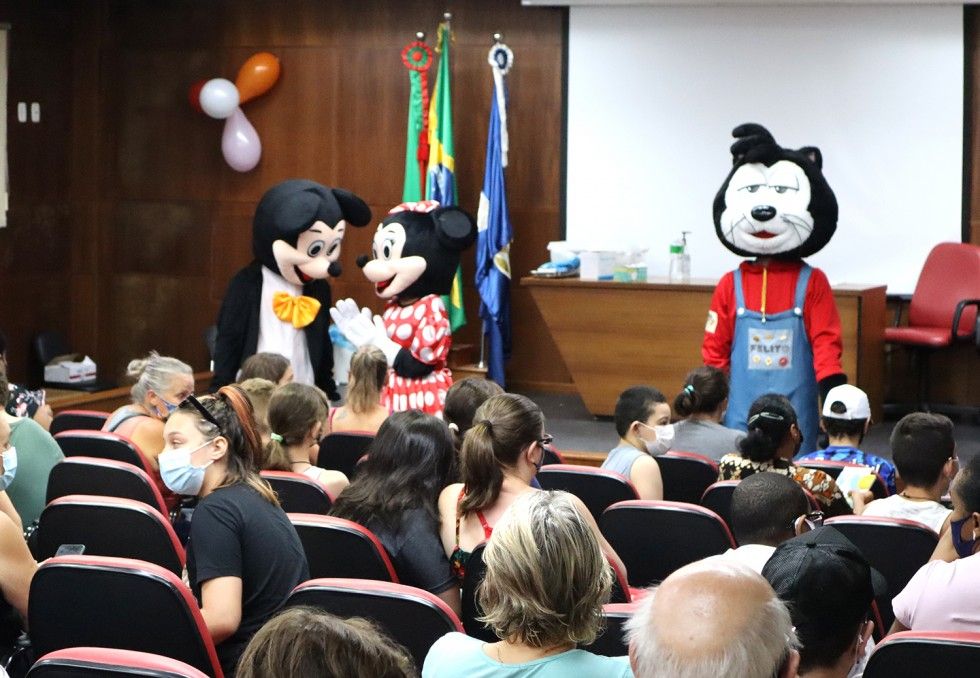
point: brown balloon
(257, 76)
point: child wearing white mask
(643, 423)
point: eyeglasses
(203, 410)
(812, 520)
(546, 440)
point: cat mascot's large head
(775, 201)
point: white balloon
(219, 98)
(240, 143)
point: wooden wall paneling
(157, 224)
(35, 245)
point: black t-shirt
(416, 551)
(235, 532)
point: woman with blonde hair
(363, 412)
(546, 581)
(161, 385)
(243, 556)
(297, 413)
(501, 454)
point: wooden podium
(613, 335)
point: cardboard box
(70, 369)
(597, 264)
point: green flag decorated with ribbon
(417, 57)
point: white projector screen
(654, 93)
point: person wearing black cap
(829, 587)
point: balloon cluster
(221, 99)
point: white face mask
(9, 468)
(663, 441)
(179, 474)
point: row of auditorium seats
(902, 655)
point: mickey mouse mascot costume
(773, 321)
(416, 251)
(273, 304)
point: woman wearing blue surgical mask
(243, 556)
(943, 595)
(161, 384)
(643, 423)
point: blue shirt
(458, 655)
(621, 459)
(853, 455)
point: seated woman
(296, 416)
(643, 424)
(305, 641)
(363, 412)
(943, 595)
(396, 494)
(501, 454)
(462, 400)
(22, 401)
(17, 566)
(161, 385)
(546, 582)
(243, 556)
(271, 366)
(27, 465)
(702, 403)
(772, 441)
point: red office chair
(943, 309)
(340, 451)
(80, 601)
(895, 547)
(105, 478)
(597, 488)
(77, 420)
(686, 475)
(411, 616)
(612, 641)
(913, 654)
(718, 498)
(654, 538)
(98, 662)
(299, 493)
(340, 548)
(109, 526)
(104, 445)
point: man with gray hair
(715, 617)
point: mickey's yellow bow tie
(300, 311)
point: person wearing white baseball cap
(846, 417)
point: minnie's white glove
(362, 329)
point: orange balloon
(257, 76)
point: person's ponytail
(687, 402)
(482, 475)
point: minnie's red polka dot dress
(423, 329)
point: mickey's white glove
(362, 329)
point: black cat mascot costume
(416, 251)
(773, 321)
(273, 304)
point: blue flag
(493, 224)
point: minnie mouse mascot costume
(416, 252)
(773, 321)
(273, 304)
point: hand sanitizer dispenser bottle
(680, 261)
